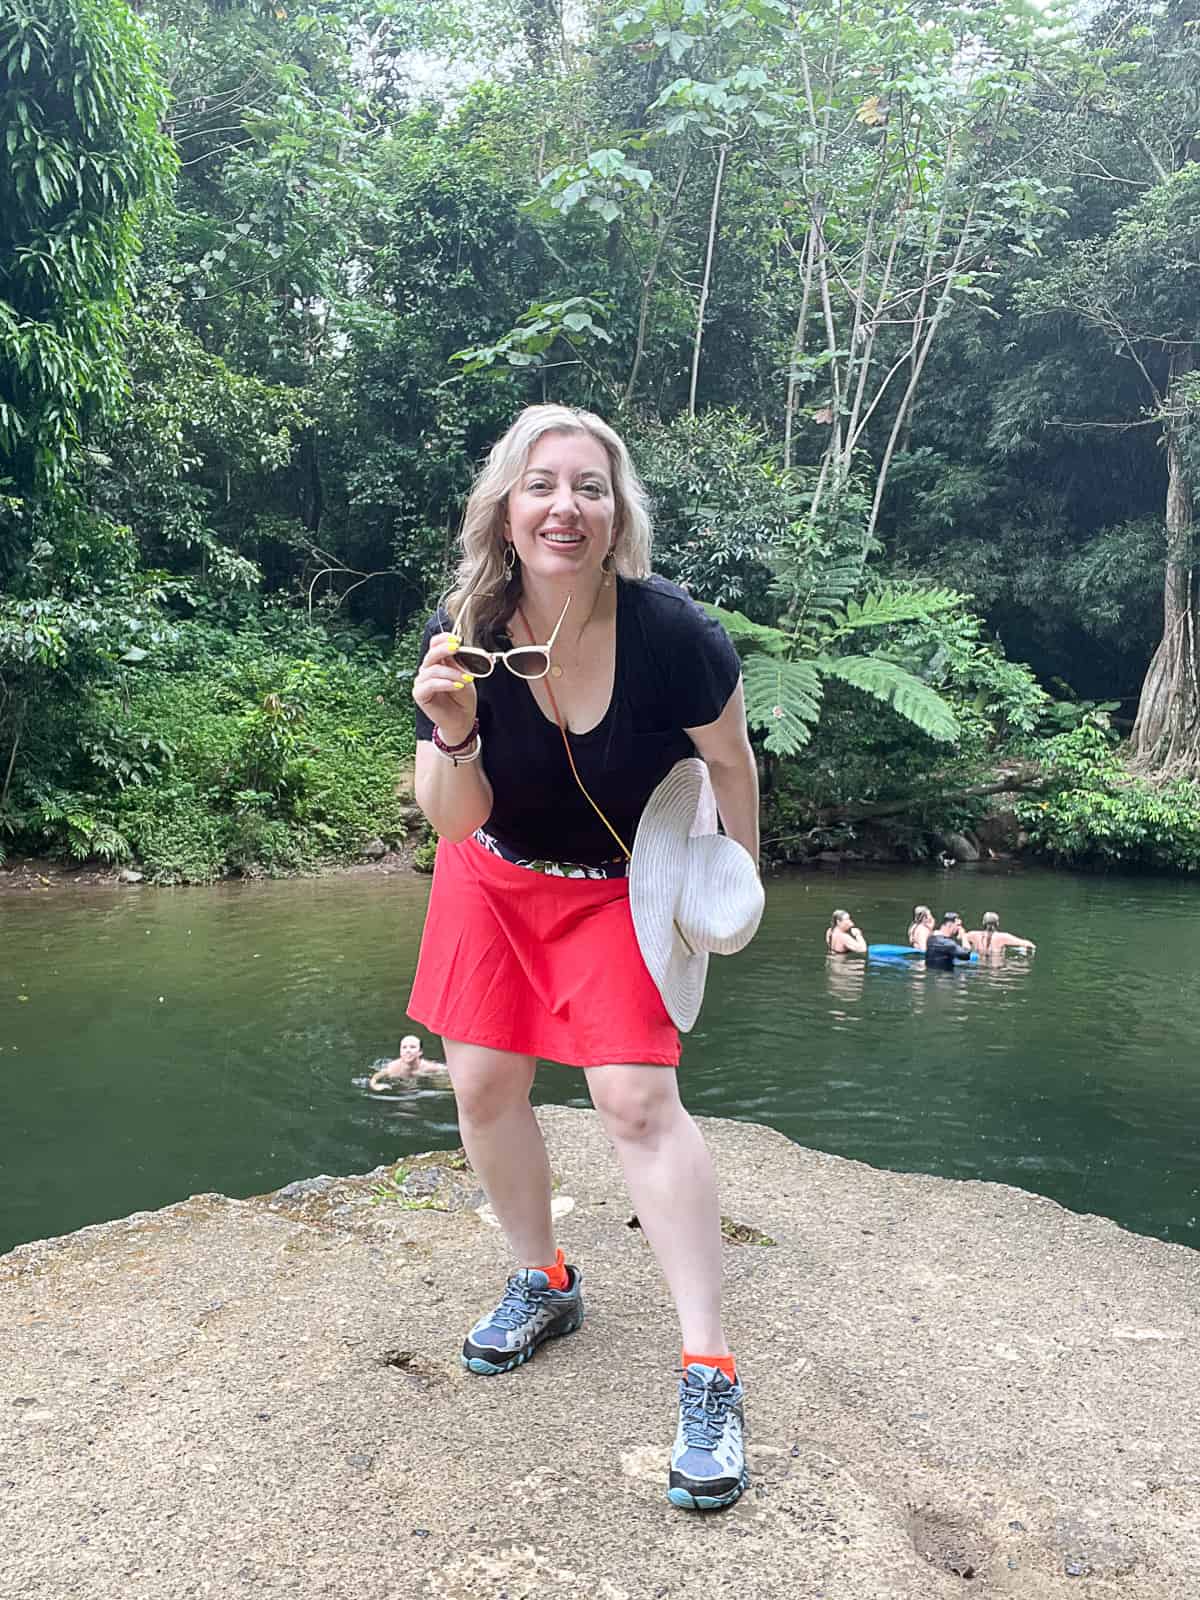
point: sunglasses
(523, 661)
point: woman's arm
(855, 941)
(456, 799)
(724, 746)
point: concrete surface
(953, 1389)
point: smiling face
(410, 1049)
(561, 513)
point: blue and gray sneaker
(529, 1313)
(708, 1462)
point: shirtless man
(408, 1064)
(989, 940)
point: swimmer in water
(842, 938)
(990, 940)
(920, 927)
(944, 945)
(410, 1063)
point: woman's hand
(444, 693)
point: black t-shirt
(675, 669)
(942, 951)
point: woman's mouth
(563, 537)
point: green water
(160, 1043)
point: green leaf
(783, 699)
(888, 606)
(744, 632)
(907, 696)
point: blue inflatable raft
(902, 952)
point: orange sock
(723, 1364)
(558, 1275)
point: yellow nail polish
(459, 684)
(452, 643)
(468, 677)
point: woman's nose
(563, 499)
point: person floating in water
(842, 937)
(989, 940)
(410, 1063)
(943, 946)
(920, 927)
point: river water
(160, 1043)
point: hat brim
(656, 869)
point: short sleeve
(703, 665)
(436, 624)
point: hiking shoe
(708, 1462)
(529, 1313)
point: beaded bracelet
(453, 749)
(457, 756)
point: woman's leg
(673, 1188)
(504, 1144)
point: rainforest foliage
(897, 306)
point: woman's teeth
(563, 538)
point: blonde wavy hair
(484, 593)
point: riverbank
(947, 1381)
(36, 875)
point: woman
(408, 1064)
(920, 927)
(572, 682)
(989, 940)
(842, 938)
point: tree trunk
(1166, 732)
(18, 729)
(704, 287)
(648, 278)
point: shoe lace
(517, 1304)
(705, 1404)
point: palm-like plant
(784, 668)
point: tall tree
(80, 105)
(1136, 284)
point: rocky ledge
(953, 1389)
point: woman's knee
(487, 1084)
(636, 1104)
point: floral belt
(618, 867)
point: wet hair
(920, 913)
(410, 1038)
(485, 593)
(991, 919)
(837, 917)
(949, 916)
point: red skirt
(540, 965)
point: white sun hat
(692, 891)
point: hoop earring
(608, 567)
(510, 560)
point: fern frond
(783, 699)
(820, 604)
(907, 696)
(888, 606)
(743, 632)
